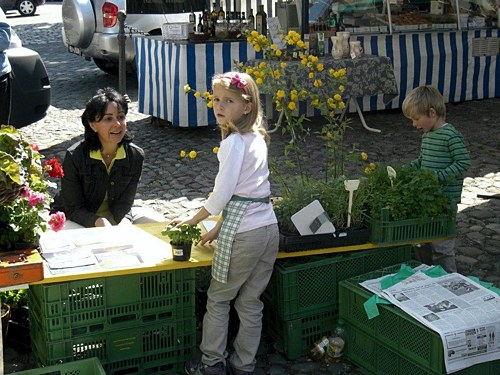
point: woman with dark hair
(101, 173)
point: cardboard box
(20, 267)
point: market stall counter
(116, 294)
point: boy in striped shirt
(443, 151)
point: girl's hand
(212, 234)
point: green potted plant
(11, 300)
(409, 206)
(24, 191)
(182, 237)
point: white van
(90, 27)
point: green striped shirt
(443, 150)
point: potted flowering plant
(182, 237)
(24, 191)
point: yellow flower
(206, 94)
(341, 105)
(254, 33)
(337, 97)
(277, 74)
(341, 88)
(193, 154)
(210, 104)
(364, 156)
(318, 83)
(215, 150)
(320, 67)
(292, 106)
(197, 94)
(372, 166)
(283, 65)
(278, 52)
(368, 170)
(311, 74)
(300, 44)
(248, 71)
(183, 153)
(259, 81)
(262, 65)
(280, 94)
(187, 88)
(274, 46)
(257, 48)
(315, 102)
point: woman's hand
(103, 222)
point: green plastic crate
(406, 342)
(124, 344)
(296, 335)
(379, 359)
(90, 366)
(387, 231)
(69, 309)
(56, 328)
(303, 286)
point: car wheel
(107, 66)
(26, 7)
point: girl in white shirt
(247, 236)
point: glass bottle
(340, 24)
(199, 27)
(221, 14)
(192, 17)
(336, 343)
(261, 21)
(317, 350)
(214, 15)
(251, 20)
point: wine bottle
(261, 21)
(221, 14)
(251, 20)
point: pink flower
(35, 198)
(35, 147)
(57, 220)
(26, 192)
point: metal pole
(122, 67)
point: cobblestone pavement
(176, 187)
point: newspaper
(465, 314)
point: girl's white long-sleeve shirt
(243, 171)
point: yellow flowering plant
(291, 76)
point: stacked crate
(301, 300)
(135, 324)
(393, 342)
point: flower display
(26, 213)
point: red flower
(57, 220)
(34, 147)
(54, 168)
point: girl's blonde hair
(420, 100)
(244, 85)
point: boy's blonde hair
(421, 99)
(244, 85)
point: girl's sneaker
(199, 368)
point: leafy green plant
(415, 193)
(14, 298)
(182, 234)
(331, 194)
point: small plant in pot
(182, 237)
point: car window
(164, 6)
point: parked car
(25, 7)
(90, 28)
(30, 84)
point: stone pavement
(176, 187)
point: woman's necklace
(108, 157)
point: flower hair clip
(239, 82)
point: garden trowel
(350, 186)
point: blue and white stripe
(164, 68)
(442, 59)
